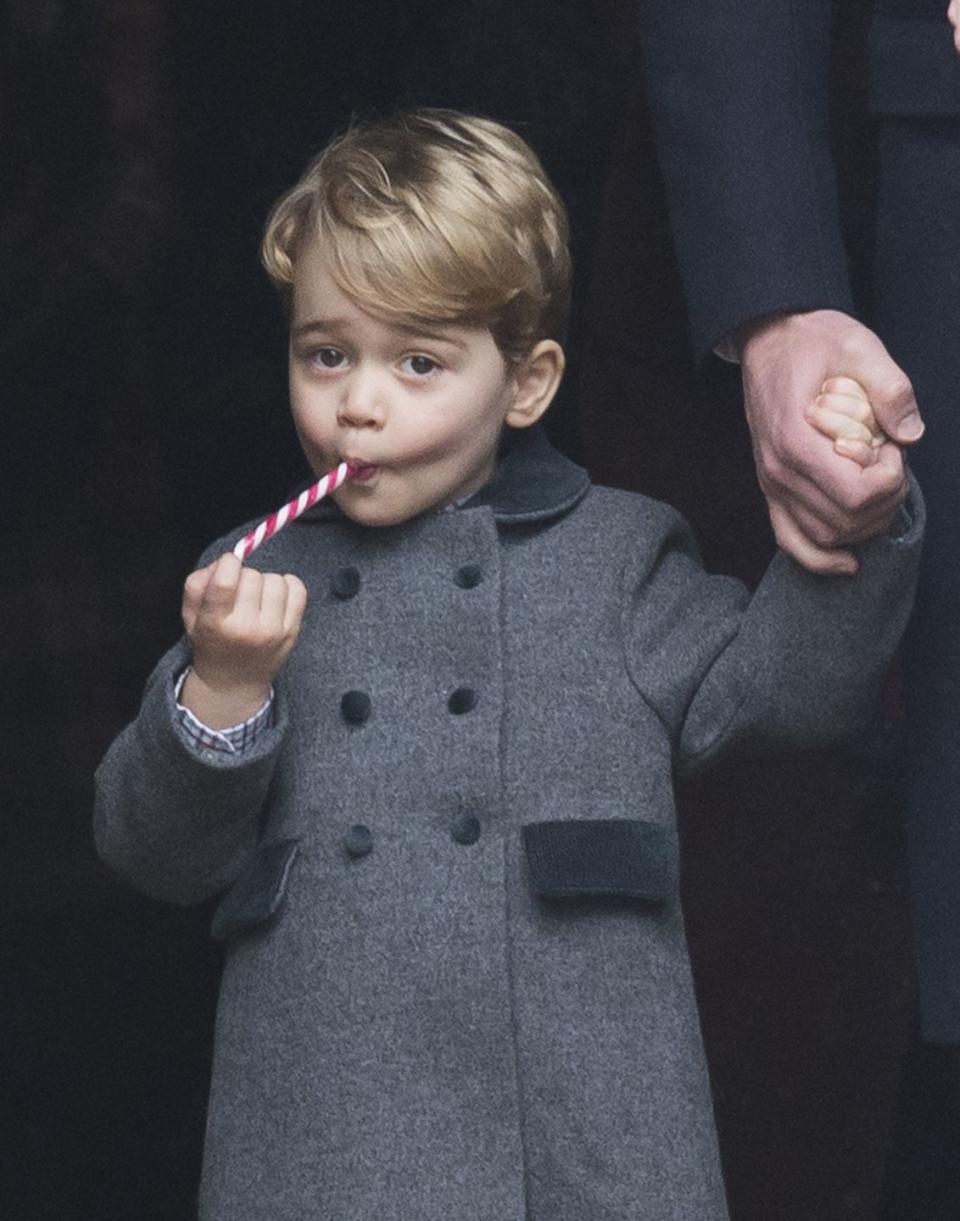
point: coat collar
(534, 482)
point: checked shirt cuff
(234, 740)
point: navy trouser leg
(917, 288)
(917, 282)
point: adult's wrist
(753, 336)
(756, 328)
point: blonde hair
(434, 216)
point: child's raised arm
(177, 818)
(842, 411)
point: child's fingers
(861, 452)
(296, 604)
(844, 385)
(273, 603)
(242, 620)
(835, 423)
(845, 396)
(194, 588)
(221, 591)
(245, 612)
(856, 408)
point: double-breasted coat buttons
(465, 829)
(468, 576)
(355, 707)
(358, 841)
(463, 699)
(345, 583)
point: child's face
(418, 409)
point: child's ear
(535, 383)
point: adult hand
(820, 502)
(953, 12)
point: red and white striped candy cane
(276, 521)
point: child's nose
(362, 404)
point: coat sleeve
(798, 664)
(738, 93)
(175, 822)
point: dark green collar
(533, 482)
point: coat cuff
(160, 719)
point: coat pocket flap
(603, 856)
(258, 892)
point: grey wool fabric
(457, 986)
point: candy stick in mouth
(276, 521)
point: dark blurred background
(144, 413)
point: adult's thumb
(895, 407)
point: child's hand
(243, 625)
(843, 412)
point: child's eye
(419, 366)
(328, 358)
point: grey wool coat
(456, 985)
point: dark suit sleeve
(738, 93)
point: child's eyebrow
(422, 332)
(327, 325)
(334, 326)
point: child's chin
(366, 513)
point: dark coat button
(355, 706)
(466, 829)
(464, 699)
(358, 841)
(345, 583)
(469, 576)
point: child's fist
(243, 625)
(843, 412)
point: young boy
(456, 985)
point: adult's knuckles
(827, 536)
(888, 493)
(772, 472)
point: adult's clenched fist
(819, 502)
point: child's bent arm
(178, 823)
(811, 653)
(175, 819)
(799, 663)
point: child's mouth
(362, 472)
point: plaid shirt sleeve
(234, 740)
